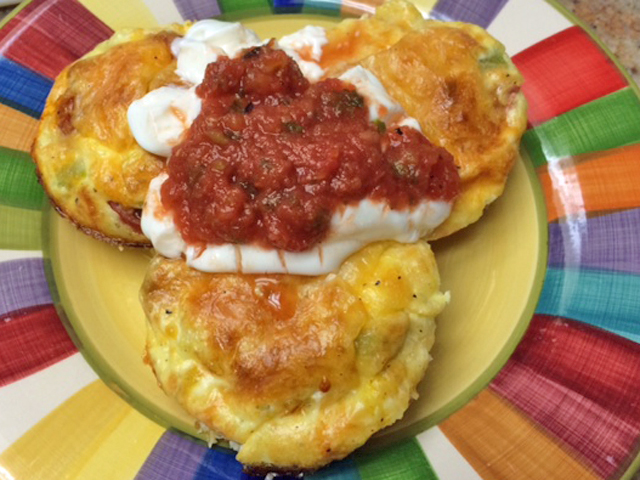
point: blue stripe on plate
(23, 89)
(287, 6)
(342, 470)
(220, 464)
(604, 299)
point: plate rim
(635, 464)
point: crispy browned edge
(115, 241)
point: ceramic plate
(537, 359)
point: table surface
(616, 22)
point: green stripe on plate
(19, 185)
(609, 122)
(405, 461)
(20, 229)
(246, 7)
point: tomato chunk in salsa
(271, 157)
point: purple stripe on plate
(480, 12)
(173, 457)
(607, 242)
(197, 9)
(22, 285)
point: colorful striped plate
(556, 394)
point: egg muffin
(353, 39)
(87, 159)
(456, 80)
(298, 371)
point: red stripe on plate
(31, 341)
(565, 71)
(46, 36)
(581, 384)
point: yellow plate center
(493, 269)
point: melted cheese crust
(456, 80)
(352, 40)
(312, 364)
(85, 154)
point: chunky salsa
(271, 157)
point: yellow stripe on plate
(117, 15)
(83, 439)
(502, 444)
(18, 130)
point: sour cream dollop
(205, 41)
(352, 228)
(307, 42)
(162, 116)
(381, 105)
(159, 119)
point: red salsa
(271, 157)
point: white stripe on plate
(165, 11)
(27, 401)
(523, 23)
(445, 459)
(6, 255)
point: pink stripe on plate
(31, 342)
(581, 384)
(46, 36)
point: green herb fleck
(381, 126)
(293, 127)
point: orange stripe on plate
(18, 130)
(83, 439)
(501, 444)
(592, 182)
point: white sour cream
(381, 105)
(351, 229)
(159, 119)
(205, 41)
(308, 42)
